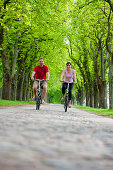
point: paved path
(50, 139)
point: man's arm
(47, 74)
(32, 76)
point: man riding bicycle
(42, 72)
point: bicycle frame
(38, 96)
(66, 100)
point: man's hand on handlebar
(32, 78)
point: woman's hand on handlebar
(75, 82)
(61, 80)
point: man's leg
(44, 85)
(35, 86)
(44, 92)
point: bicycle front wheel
(37, 102)
(66, 103)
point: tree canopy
(79, 31)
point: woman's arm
(75, 78)
(62, 75)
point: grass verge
(108, 112)
(9, 102)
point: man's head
(41, 62)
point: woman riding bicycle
(69, 73)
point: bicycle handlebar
(67, 82)
(39, 80)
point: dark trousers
(64, 87)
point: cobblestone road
(50, 139)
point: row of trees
(78, 31)
(91, 49)
(30, 29)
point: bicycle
(66, 99)
(38, 95)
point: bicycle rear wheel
(37, 102)
(66, 103)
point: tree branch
(110, 4)
(109, 36)
(5, 3)
(85, 5)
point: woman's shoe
(43, 102)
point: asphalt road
(51, 139)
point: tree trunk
(6, 89)
(87, 95)
(20, 82)
(79, 96)
(26, 86)
(102, 80)
(96, 95)
(111, 84)
(102, 94)
(91, 97)
(110, 51)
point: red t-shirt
(41, 72)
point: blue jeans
(64, 87)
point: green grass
(108, 112)
(8, 102)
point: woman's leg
(64, 86)
(70, 92)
